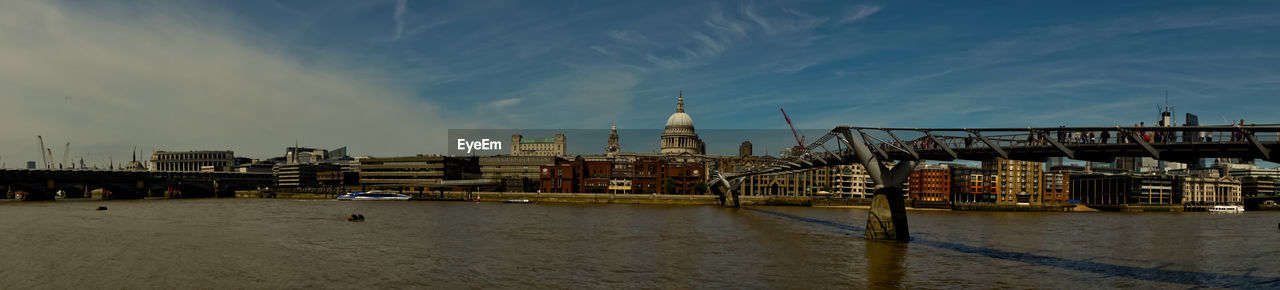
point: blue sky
(389, 77)
(1011, 63)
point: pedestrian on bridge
(1105, 135)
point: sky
(388, 78)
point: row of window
(192, 156)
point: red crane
(799, 139)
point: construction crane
(44, 161)
(799, 139)
(65, 150)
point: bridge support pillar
(730, 196)
(888, 217)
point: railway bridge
(47, 184)
(890, 154)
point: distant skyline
(390, 77)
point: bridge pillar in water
(888, 217)
(730, 196)
(46, 194)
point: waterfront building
(300, 175)
(519, 167)
(334, 177)
(549, 146)
(1257, 186)
(1100, 189)
(646, 175)
(973, 185)
(679, 136)
(809, 182)
(192, 160)
(685, 176)
(596, 176)
(851, 180)
(744, 150)
(1057, 187)
(929, 183)
(518, 173)
(1019, 182)
(415, 172)
(620, 177)
(579, 175)
(1209, 190)
(304, 167)
(563, 177)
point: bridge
(890, 154)
(46, 184)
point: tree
(700, 187)
(669, 184)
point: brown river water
(292, 244)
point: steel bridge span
(890, 154)
(42, 184)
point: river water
(267, 243)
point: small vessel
(1226, 209)
(373, 195)
(518, 201)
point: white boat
(518, 201)
(373, 195)
(1227, 208)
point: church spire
(613, 140)
(680, 103)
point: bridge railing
(887, 141)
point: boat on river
(373, 195)
(518, 201)
(1226, 209)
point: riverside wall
(604, 198)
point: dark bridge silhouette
(43, 184)
(890, 154)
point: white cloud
(398, 17)
(749, 11)
(600, 49)
(858, 13)
(504, 103)
(626, 36)
(162, 78)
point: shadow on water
(886, 261)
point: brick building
(1019, 182)
(931, 183)
(973, 185)
(1057, 187)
